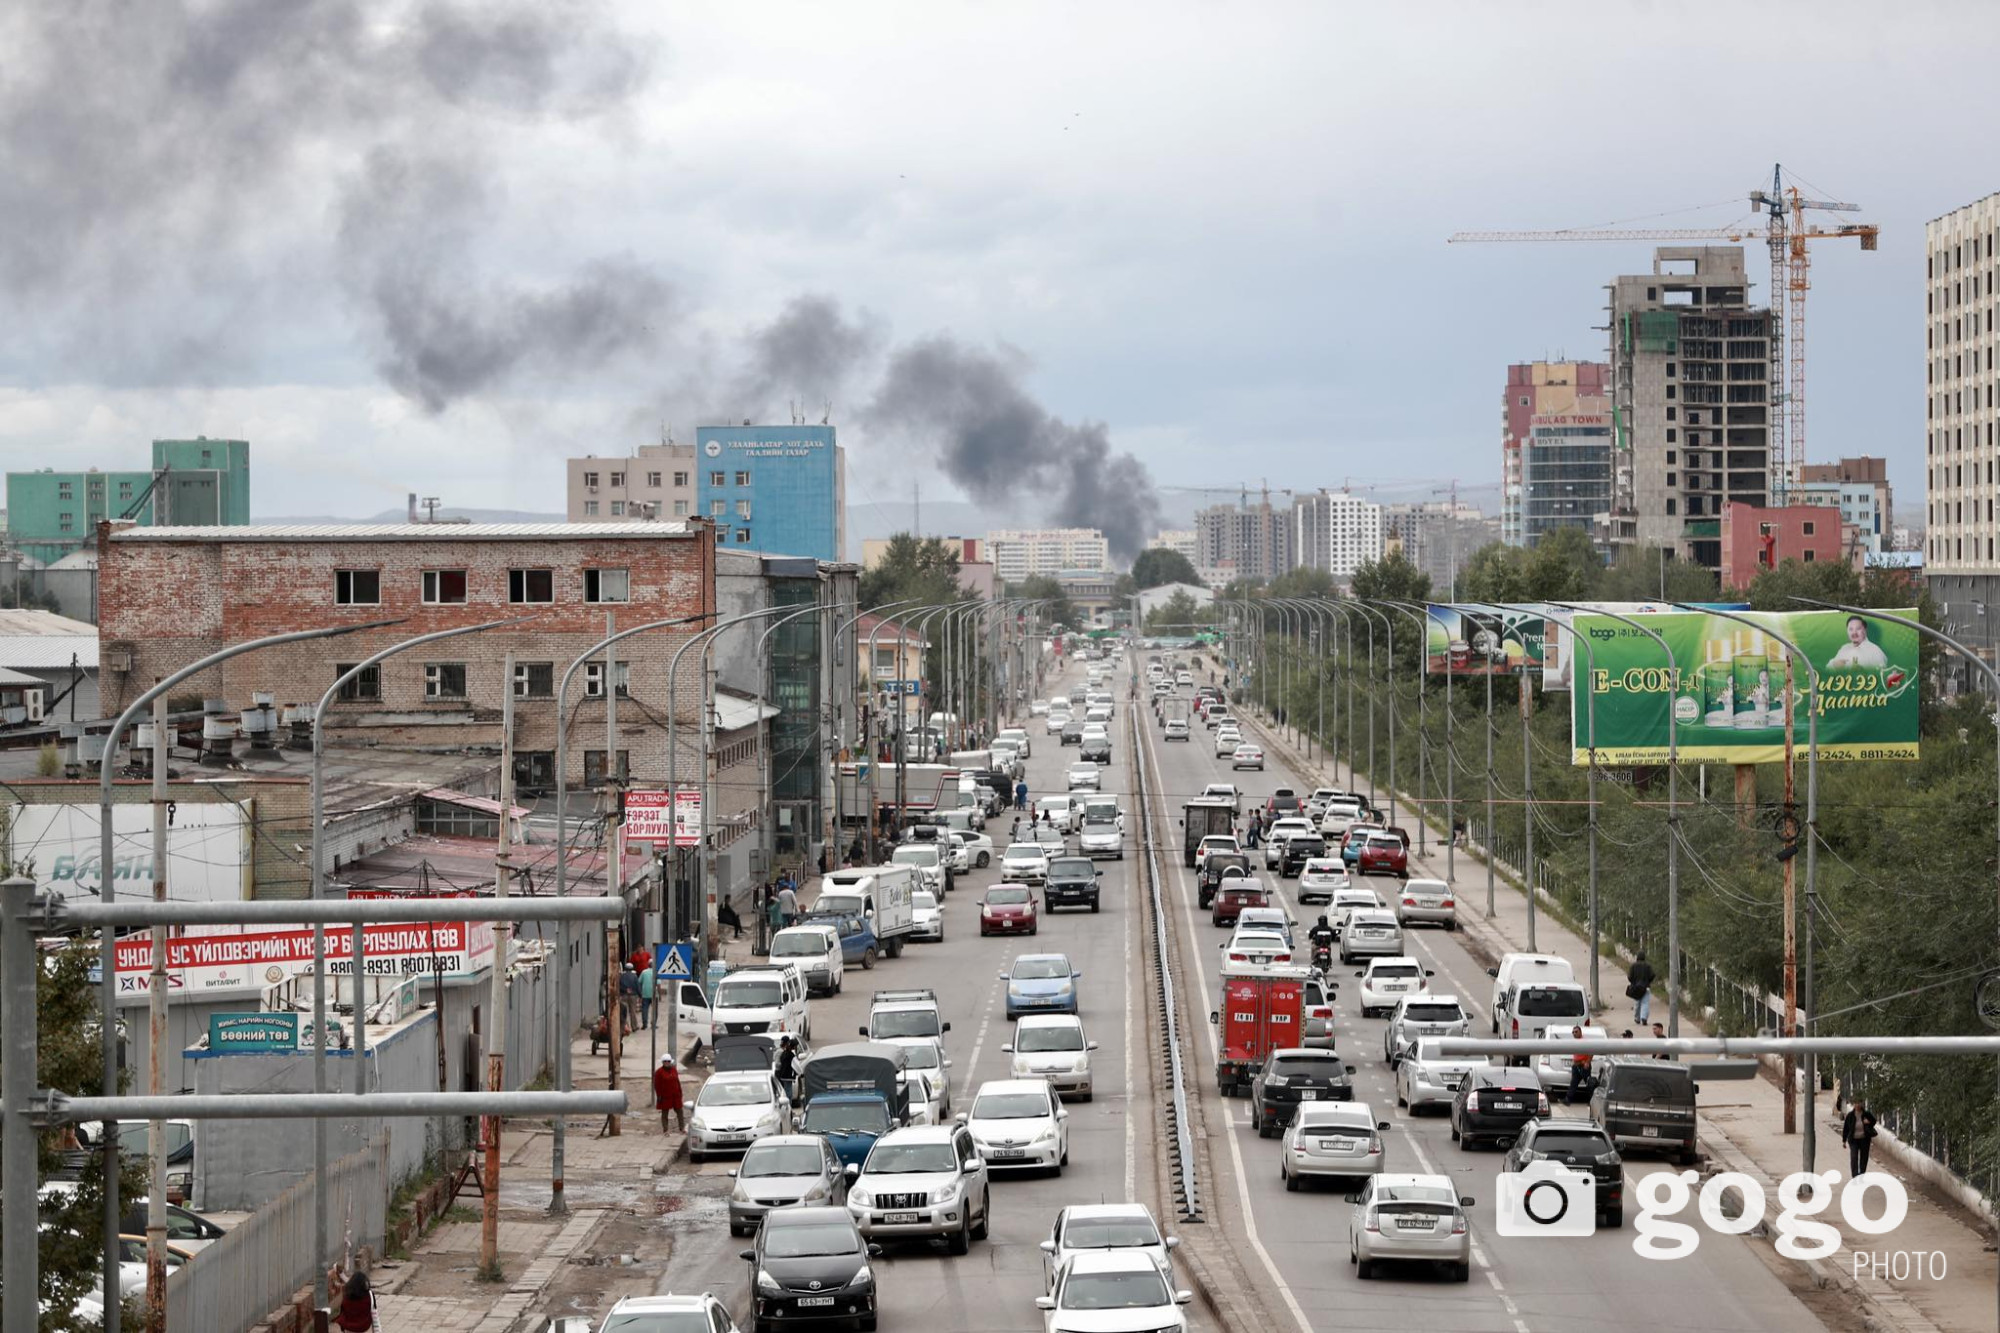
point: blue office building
(781, 490)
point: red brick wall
(1743, 539)
(170, 603)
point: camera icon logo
(1546, 1199)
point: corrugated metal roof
(19, 621)
(404, 532)
(483, 804)
(16, 678)
(47, 652)
(736, 714)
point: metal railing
(263, 1261)
(1180, 1144)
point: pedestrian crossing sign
(674, 962)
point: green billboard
(1483, 640)
(1726, 687)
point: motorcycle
(1322, 958)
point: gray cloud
(806, 355)
(157, 152)
(988, 434)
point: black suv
(1644, 1103)
(813, 1256)
(1494, 1102)
(1072, 882)
(1292, 1075)
(1580, 1147)
(1299, 848)
(1072, 732)
(1213, 867)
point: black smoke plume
(987, 433)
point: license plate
(1649, 1131)
(1506, 1106)
(1336, 1145)
(1308, 1094)
(805, 1301)
(1009, 1153)
(897, 1219)
(1413, 1224)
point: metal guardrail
(1187, 1193)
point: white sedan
(1019, 1123)
(1038, 707)
(1025, 863)
(970, 851)
(926, 916)
(1112, 1289)
(1226, 741)
(1058, 719)
(734, 1110)
(1052, 1046)
(1321, 879)
(1247, 756)
(1093, 1228)
(1085, 775)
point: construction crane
(1786, 234)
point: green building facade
(198, 482)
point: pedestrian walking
(774, 914)
(628, 994)
(1660, 1033)
(1857, 1131)
(646, 983)
(667, 1093)
(725, 915)
(788, 903)
(1458, 831)
(357, 1305)
(1639, 988)
(1020, 796)
(1579, 1072)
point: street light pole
(1423, 843)
(1450, 753)
(1590, 724)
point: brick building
(169, 596)
(1755, 538)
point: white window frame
(433, 587)
(434, 680)
(595, 581)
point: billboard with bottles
(1727, 687)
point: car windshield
(782, 1159)
(1015, 896)
(1024, 851)
(1310, 1066)
(1317, 868)
(1109, 1233)
(1386, 841)
(915, 856)
(1548, 1001)
(923, 900)
(903, 1023)
(1011, 1106)
(1054, 1038)
(728, 1092)
(1433, 1013)
(1397, 971)
(1114, 1291)
(1040, 969)
(920, 1055)
(910, 1159)
(659, 1321)
(797, 946)
(810, 1239)
(845, 1118)
(748, 994)
(1430, 1194)
(1072, 866)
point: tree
(1304, 581)
(1392, 578)
(1653, 574)
(921, 568)
(1176, 613)
(1563, 567)
(1059, 609)
(1495, 574)
(71, 1223)
(1159, 566)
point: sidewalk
(1741, 1121)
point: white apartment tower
(1019, 552)
(656, 481)
(1961, 561)
(1336, 532)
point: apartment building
(1437, 536)
(1565, 471)
(781, 490)
(1249, 541)
(1181, 541)
(1691, 400)
(1017, 553)
(1859, 489)
(655, 481)
(1537, 389)
(51, 514)
(1336, 531)
(1961, 561)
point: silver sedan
(1409, 1217)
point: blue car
(1041, 983)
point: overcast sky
(442, 248)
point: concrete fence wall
(259, 1263)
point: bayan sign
(207, 850)
(1727, 687)
(243, 960)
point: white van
(1514, 967)
(814, 949)
(1533, 1003)
(764, 998)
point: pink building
(1755, 539)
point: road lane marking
(1131, 1096)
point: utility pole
(614, 870)
(156, 1040)
(1528, 797)
(1789, 853)
(496, 1005)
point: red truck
(1262, 1010)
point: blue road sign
(673, 962)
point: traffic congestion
(943, 1111)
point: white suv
(922, 1180)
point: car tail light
(1514, 1027)
(1472, 1101)
(1447, 903)
(1409, 902)
(1542, 1102)
(1458, 1224)
(1374, 1145)
(1372, 1224)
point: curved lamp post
(1423, 630)
(107, 953)
(1389, 678)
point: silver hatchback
(1398, 1217)
(1331, 1139)
(1370, 933)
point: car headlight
(1082, 1065)
(739, 1194)
(861, 1198)
(1047, 1134)
(863, 1276)
(815, 1194)
(768, 1284)
(768, 1120)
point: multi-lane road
(1289, 1251)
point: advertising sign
(1483, 640)
(232, 959)
(253, 1032)
(649, 818)
(1557, 650)
(207, 850)
(1728, 695)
